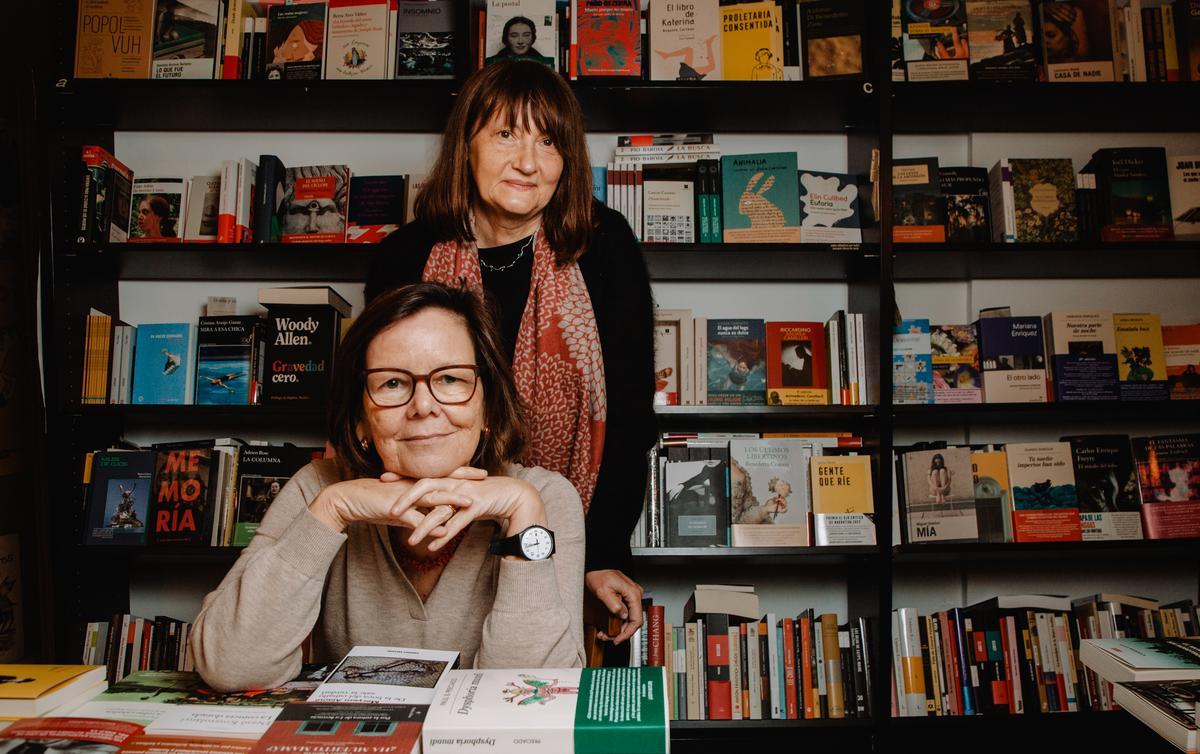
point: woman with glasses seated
(422, 531)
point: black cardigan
(615, 274)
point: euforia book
(315, 204)
(1045, 503)
(752, 42)
(509, 36)
(843, 502)
(113, 39)
(316, 727)
(1185, 192)
(685, 41)
(609, 38)
(1000, 34)
(1169, 475)
(735, 360)
(1106, 484)
(797, 364)
(425, 39)
(1142, 363)
(386, 675)
(1078, 42)
(119, 497)
(760, 198)
(185, 39)
(768, 481)
(1083, 355)
(295, 41)
(829, 208)
(955, 357)
(940, 496)
(1181, 351)
(550, 711)
(357, 39)
(158, 209)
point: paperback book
(425, 39)
(184, 494)
(939, 496)
(674, 357)
(203, 209)
(993, 499)
(1106, 483)
(113, 39)
(230, 360)
(608, 38)
(768, 481)
(1045, 501)
(1169, 475)
(158, 209)
(735, 361)
(509, 36)
(685, 41)
(761, 197)
(356, 39)
(797, 364)
(752, 42)
(696, 503)
(376, 207)
(831, 38)
(185, 39)
(1134, 193)
(386, 675)
(843, 500)
(343, 727)
(315, 203)
(829, 208)
(938, 31)
(918, 208)
(1181, 352)
(301, 341)
(1012, 358)
(262, 472)
(1035, 198)
(1185, 193)
(1142, 363)
(164, 363)
(119, 497)
(1083, 355)
(1078, 40)
(1000, 35)
(295, 41)
(669, 203)
(912, 362)
(955, 364)
(966, 195)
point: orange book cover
(114, 39)
(1181, 348)
(797, 365)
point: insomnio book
(685, 41)
(356, 41)
(185, 39)
(955, 360)
(760, 198)
(1000, 34)
(1169, 475)
(1083, 355)
(164, 363)
(940, 495)
(425, 39)
(229, 360)
(1141, 358)
(829, 208)
(768, 481)
(1045, 503)
(550, 711)
(1106, 483)
(1181, 352)
(608, 38)
(831, 34)
(752, 42)
(912, 362)
(843, 502)
(1078, 41)
(735, 360)
(1185, 193)
(1012, 359)
(797, 364)
(119, 497)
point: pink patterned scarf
(557, 365)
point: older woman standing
(507, 211)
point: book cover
(674, 357)
(993, 500)
(831, 34)
(1181, 352)
(301, 341)
(386, 675)
(185, 39)
(1169, 475)
(356, 39)
(315, 727)
(1134, 192)
(262, 471)
(547, 711)
(295, 41)
(954, 353)
(113, 39)
(843, 502)
(243, 208)
(1185, 195)
(46, 734)
(425, 39)
(937, 31)
(376, 207)
(918, 207)
(203, 205)
(736, 362)
(829, 208)
(1012, 357)
(12, 629)
(1044, 200)
(1187, 26)
(797, 364)
(158, 209)
(119, 497)
(1000, 35)
(1142, 363)
(1045, 502)
(696, 503)
(912, 362)
(966, 194)
(609, 38)
(752, 42)
(521, 30)
(669, 203)
(106, 198)
(939, 496)
(266, 209)
(760, 198)
(685, 41)
(1078, 40)
(229, 360)
(182, 495)
(164, 363)
(1106, 483)
(315, 203)
(1083, 355)
(768, 482)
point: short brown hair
(504, 438)
(522, 91)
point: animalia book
(113, 39)
(357, 39)
(1000, 35)
(1185, 193)
(1169, 475)
(939, 497)
(1141, 359)
(1083, 355)
(760, 198)
(315, 203)
(158, 205)
(1045, 502)
(1181, 352)
(1012, 358)
(955, 361)
(164, 363)
(735, 361)
(1078, 42)
(119, 497)
(752, 42)
(829, 208)
(797, 364)
(1106, 483)
(186, 39)
(831, 33)
(843, 502)
(685, 41)
(425, 39)
(386, 675)
(295, 41)
(768, 481)
(608, 38)
(918, 208)
(230, 359)
(912, 362)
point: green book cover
(760, 195)
(1044, 199)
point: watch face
(537, 543)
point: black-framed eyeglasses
(390, 387)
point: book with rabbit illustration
(761, 198)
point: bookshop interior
(639, 375)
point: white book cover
(356, 42)
(685, 41)
(386, 675)
(829, 208)
(247, 174)
(509, 36)
(1185, 195)
(228, 204)
(159, 205)
(203, 208)
(670, 211)
(769, 492)
(186, 39)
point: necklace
(517, 258)
(413, 564)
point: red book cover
(950, 648)
(1169, 473)
(344, 727)
(745, 670)
(57, 731)
(1002, 687)
(806, 678)
(315, 204)
(716, 656)
(609, 38)
(789, 667)
(1181, 352)
(657, 657)
(1044, 500)
(144, 744)
(797, 364)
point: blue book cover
(600, 183)
(119, 497)
(1012, 357)
(163, 364)
(912, 362)
(229, 360)
(760, 198)
(737, 364)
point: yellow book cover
(31, 690)
(993, 504)
(113, 39)
(752, 42)
(1141, 360)
(842, 500)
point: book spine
(833, 665)
(718, 689)
(656, 656)
(231, 60)
(789, 668)
(735, 672)
(862, 668)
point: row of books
(1049, 40)
(234, 39)
(202, 493)
(128, 644)
(1080, 488)
(1086, 355)
(729, 661)
(226, 359)
(1018, 654)
(259, 202)
(750, 362)
(672, 192)
(781, 490)
(1122, 194)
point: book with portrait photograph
(119, 497)
(1045, 501)
(159, 205)
(1181, 353)
(356, 39)
(186, 39)
(918, 207)
(1134, 194)
(295, 41)
(752, 41)
(1078, 39)
(521, 30)
(696, 503)
(939, 496)
(966, 194)
(316, 200)
(1106, 483)
(1012, 359)
(262, 470)
(386, 675)
(1169, 477)
(735, 361)
(1000, 34)
(797, 364)
(425, 39)
(203, 208)
(1141, 357)
(832, 34)
(829, 208)
(760, 198)
(937, 34)
(954, 352)
(1082, 348)
(608, 38)
(768, 492)
(685, 41)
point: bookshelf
(89, 583)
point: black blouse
(615, 274)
